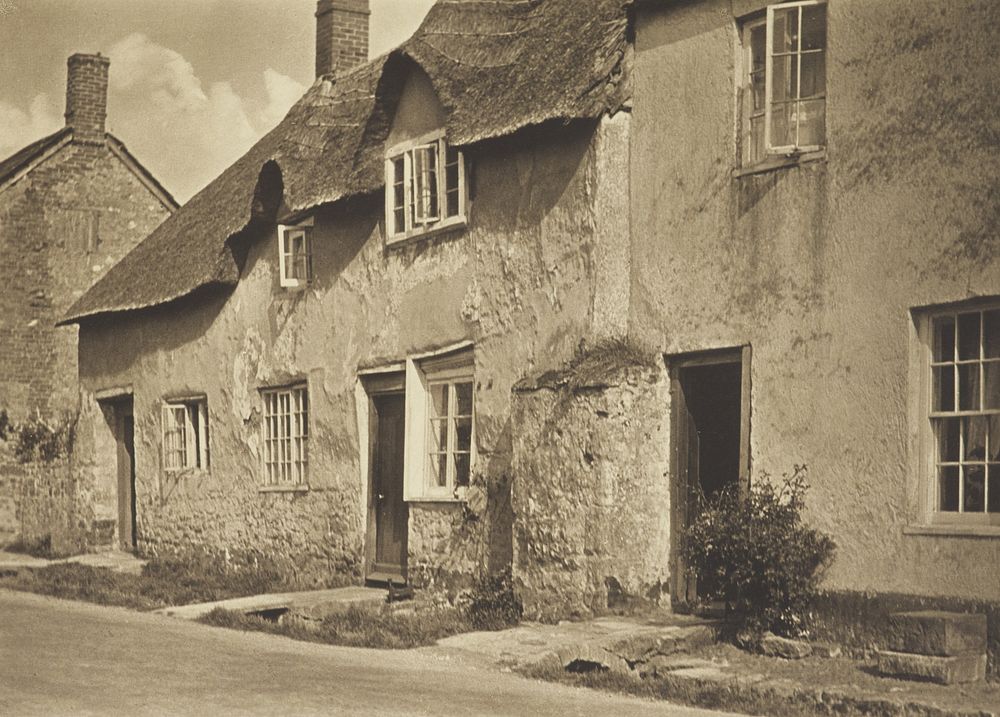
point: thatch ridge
(497, 65)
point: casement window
(185, 434)
(964, 414)
(784, 82)
(286, 436)
(295, 253)
(440, 434)
(425, 187)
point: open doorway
(119, 414)
(710, 393)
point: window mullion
(408, 191)
(768, 79)
(452, 438)
(798, 78)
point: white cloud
(185, 132)
(22, 127)
(282, 93)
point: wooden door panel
(391, 514)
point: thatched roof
(496, 65)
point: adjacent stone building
(71, 205)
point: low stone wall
(591, 492)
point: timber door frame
(683, 588)
(377, 384)
(122, 410)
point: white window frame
(930, 444)
(417, 223)
(286, 233)
(421, 377)
(285, 436)
(187, 418)
(767, 19)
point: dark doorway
(711, 431)
(125, 439)
(391, 516)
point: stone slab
(935, 632)
(943, 670)
(311, 603)
(775, 646)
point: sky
(192, 83)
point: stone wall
(591, 492)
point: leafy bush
(5, 425)
(492, 604)
(755, 553)
(37, 439)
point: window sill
(954, 530)
(302, 488)
(448, 225)
(437, 498)
(782, 161)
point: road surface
(64, 658)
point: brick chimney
(87, 96)
(341, 35)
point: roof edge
(137, 168)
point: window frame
(929, 418)
(451, 378)
(195, 453)
(773, 153)
(273, 472)
(285, 233)
(453, 365)
(428, 224)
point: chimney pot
(337, 23)
(87, 96)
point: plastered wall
(519, 282)
(818, 266)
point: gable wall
(519, 282)
(817, 267)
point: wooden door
(125, 436)
(390, 510)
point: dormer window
(295, 253)
(425, 187)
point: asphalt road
(64, 658)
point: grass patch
(357, 626)
(163, 582)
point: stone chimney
(87, 96)
(341, 35)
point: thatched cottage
(313, 359)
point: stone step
(943, 670)
(938, 633)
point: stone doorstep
(935, 632)
(948, 670)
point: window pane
(463, 394)
(813, 75)
(399, 220)
(756, 138)
(993, 505)
(786, 28)
(968, 386)
(944, 388)
(944, 338)
(784, 76)
(994, 452)
(438, 469)
(439, 435)
(398, 170)
(782, 126)
(948, 479)
(974, 436)
(991, 334)
(461, 469)
(439, 400)
(968, 336)
(811, 116)
(758, 45)
(452, 204)
(814, 27)
(991, 391)
(948, 444)
(975, 488)
(463, 434)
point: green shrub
(755, 553)
(492, 604)
(37, 439)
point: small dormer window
(295, 253)
(425, 187)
